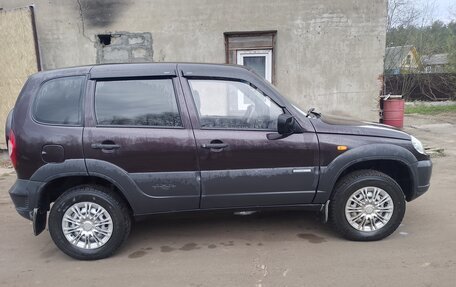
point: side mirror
(286, 126)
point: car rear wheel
(89, 222)
(367, 205)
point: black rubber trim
(25, 194)
(331, 173)
(70, 167)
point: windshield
(295, 105)
(299, 110)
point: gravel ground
(4, 160)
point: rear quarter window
(59, 101)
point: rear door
(239, 166)
(137, 121)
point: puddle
(230, 243)
(166, 249)
(189, 246)
(186, 247)
(137, 254)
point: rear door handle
(105, 146)
(215, 145)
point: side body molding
(329, 174)
(140, 202)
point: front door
(239, 166)
(141, 126)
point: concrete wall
(125, 47)
(17, 59)
(329, 54)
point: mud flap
(39, 221)
(325, 212)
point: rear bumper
(423, 171)
(25, 194)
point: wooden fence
(422, 87)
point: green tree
(451, 48)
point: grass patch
(430, 110)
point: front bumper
(423, 171)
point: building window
(258, 60)
(252, 49)
(438, 69)
(408, 60)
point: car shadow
(192, 231)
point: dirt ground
(265, 249)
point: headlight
(418, 145)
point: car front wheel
(367, 205)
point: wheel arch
(393, 160)
(57, 186)
(397, 170)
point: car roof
(145, 69)
(189, 70)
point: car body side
(39, 183)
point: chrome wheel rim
(87, 225)
(369, 209)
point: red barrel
(393, 112)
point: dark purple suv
(101, 145)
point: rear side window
(59, 101)
(137, 103)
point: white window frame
(268, 69)
(257, 53)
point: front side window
(137, 103)
(59, 101)
(233, 105)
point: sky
(445, 10)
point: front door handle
(215, 145)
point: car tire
(367, 205)
(89, 222)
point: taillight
(12, 149)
